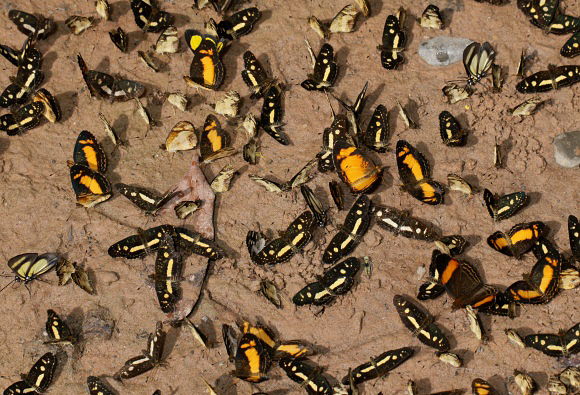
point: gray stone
(567, 149)
(443, 50)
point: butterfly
(545, 15)
(271, 115)
(57, 330)
(280, 250)
(415, 173)
(554, 77)
(337, 130)
(451, 245)
(119, 38)
(343, 22)
(28, 58)
(431, 18)
(255, 76)
(33, 26)
(337, 280)
(139, 245)
(207, 69)
(237, 24)
(29, 266)
(38, 378)
(25, 118)
(98, 387)
(420, 324)
(148, 17)
(315, 206)
(306, 375)
(518, 240)
(401, 223)
(148, 201)
(252, 359)
(502, 207)
(214, 142)
(450, 130)
(350, 234)
(168, 41)
(106, 86)
(151, 356)
(574, 234)
(571, 48)
(434, 287)
(354, 167)
(377, 132)
(542, 284)
(300, 178)
(21, 88)
(379, 365)
(168, 266)
(90, 161)
(477, 59)
(482, 387)
(325, 70)
(51, 108)
(393, 44)
(562, 344)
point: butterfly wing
(377, 131)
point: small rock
(98, 323)
(567, 149)
(443, 50)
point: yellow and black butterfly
(214, 142)
(571, 48)
(546, 80)
(27, 58)
(237, 24)
(255, 76)
(401, 223)
(148, 16)
(420, 324)
(336, 281)
(271, 115)
(98, 387)
(518, 240)
(351, 232)
(563, 344)
(477, 59)
(252, 359)
(338, 130)
(255, 241)
(432, 288)
(108, 87)
(38, 27)
(379, 365)
(482, 387)
(150, 358)
(545, 15)
(431, 18)
(502, 207)
(119, 38)
(280, 250)
(25, 118)
(325, 70)
(415, 173)
(450, 130)
(320, 216)
(277, 349)
(541, 285)
(21, 88)
(355, 167)
(146, 200)
(394, 39)
(307, 376)
(90, 185)
(51, 108)
(57, 330)
(168, 266)
(377, 132)
(343, 22)
(462, 282)
(574, 234)
(37, 380)
(188, 241)
(139, 245)
(300, 178)
(206, 68)
(451, 245)
(27, 267)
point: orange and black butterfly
(518, 240)
(252, 358)
(90, 185)
(214, 142)
(462, 282)
(355, 167)
(206, 68)
(541, 285)
(482, 387)
(415, 173)
(351, 233)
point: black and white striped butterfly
(477, 59)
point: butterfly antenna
(330, 104)
(7, 285)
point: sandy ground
(39, 214)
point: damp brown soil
(39, 214)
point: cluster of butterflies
(25, 85)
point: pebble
(443, 50)
(567, 149)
